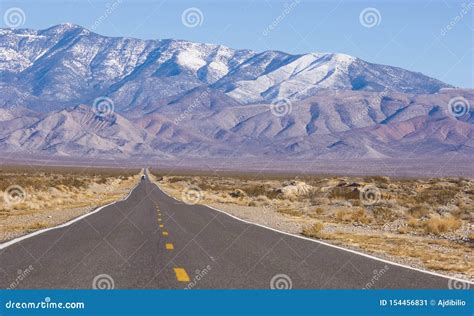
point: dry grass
(432, 254)
(438, 226)
(52, 196)
(353, 216)
(290, 212)
(314, 231)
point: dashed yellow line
(165, 233)
(161, 225)
(169, 246)
(159, 219)
(181, 275)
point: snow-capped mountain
(178, 98)
(68, 65)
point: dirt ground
(37, 199)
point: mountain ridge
(168, 98)
(69, 64)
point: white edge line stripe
(18, 239)
(329, 245)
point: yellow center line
(165, 233)
(161, 225)
(169, 246)
(181, 275)
(159, 219)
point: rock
(342, 203)
(294, 189)
(237, 193)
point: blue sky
(432, 37)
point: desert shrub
(36, 226)
(358, 216)
(174, 179)
(102, 180)
(314, 230)
(402, 230)
(317, 212)
(378, 179)
(414, 223)
(254, 190)
(205, 185)
(419, 211)
(289, 211)
(439, 225)
(384, 214)
(437, 195)
(471, 237)
(343, 216)
(346, 193)
(464, 212)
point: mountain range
(70, 92)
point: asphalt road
(123, 246)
